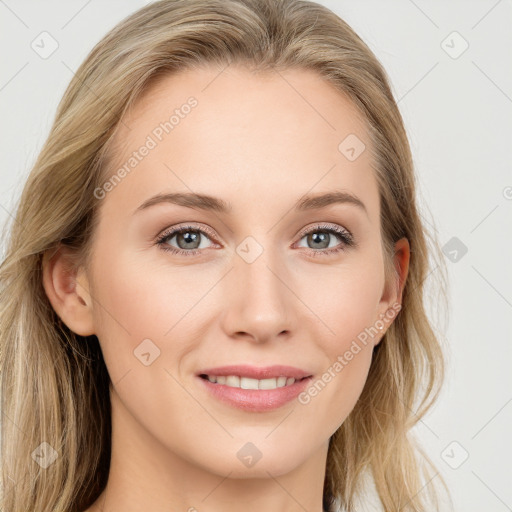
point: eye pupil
(320, 236)
(189, 237)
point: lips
(254, 400)
(261, 388)
(253, 388)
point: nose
(259, 304)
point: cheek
(131, 307)
(137, 302)
(347, 303)
(348, 313)
(332, 395)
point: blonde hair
(54, 383)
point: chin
(247, 461)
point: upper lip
(254, 372)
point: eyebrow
(210, 203)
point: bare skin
(252, 141)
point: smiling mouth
(236, 381)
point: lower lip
(253, 399)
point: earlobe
(66, 288)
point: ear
(391, 300)
(67, 289)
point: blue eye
(190, 240)
(323, 235)
(188, 236)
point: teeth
(235, 381)
(247, 383)
(267, 384)
(281, 381)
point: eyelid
(183, 227)
(325, 225)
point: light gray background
(458, 113)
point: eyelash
(346, 238)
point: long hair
(54, 383)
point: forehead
(268, 135)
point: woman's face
(261, 281)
